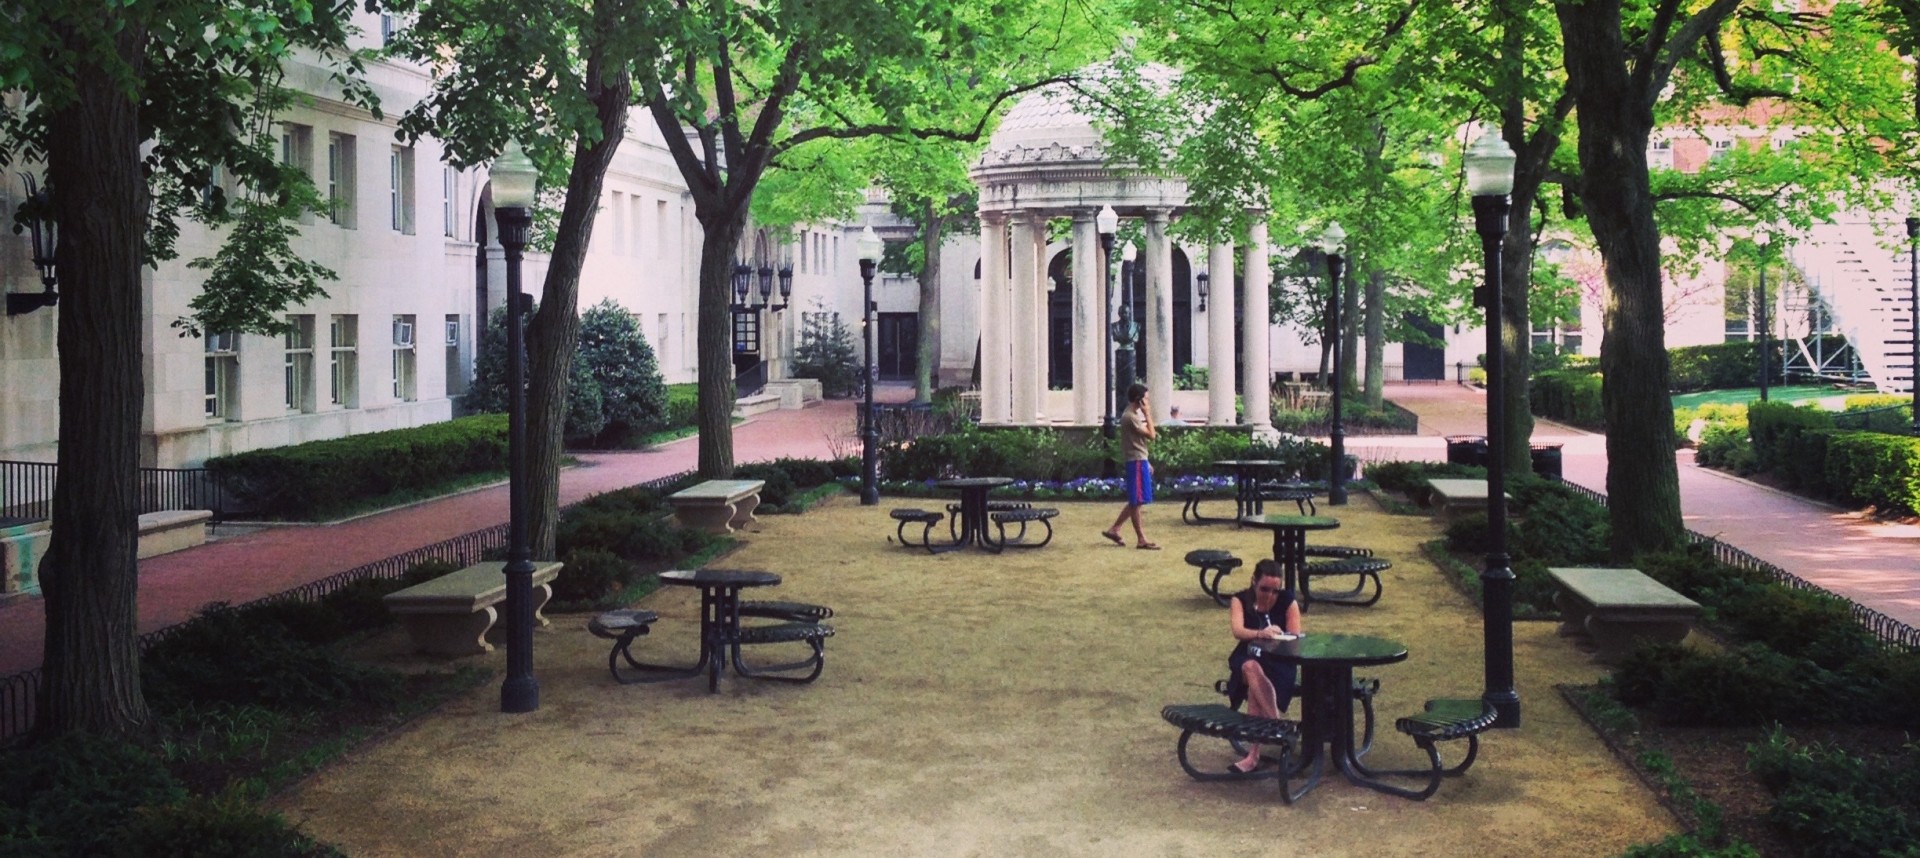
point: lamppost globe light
(1107, 221)
(1334, 239)
(514, 178)
(869, 245)
(1489, 166)
(1128, 252)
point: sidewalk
(1873, 563)
(272, 560)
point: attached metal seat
(1219, 564)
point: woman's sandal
(1148, 546)
(1234, 767)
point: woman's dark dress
(1278, 672)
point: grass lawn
(1799, 393)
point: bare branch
(881, 130)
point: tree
(748, 84)
(559, 76)
(130, 105)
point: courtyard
(975, 704)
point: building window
(456, 371)
(1660, 154)
(299, 364)
(746, 332)
(449, 182)
(663, 227)
(340, 179)
(296, 150)
(663, 342)
(403, 359)
(1722, 146)
(386, 29)
(344, 363)
(619, 206)
(400, 188)
(223, 376)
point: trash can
(1467, 450)
(1546, 460)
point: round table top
(1338, 649)
(1249, 463)
(1294, 522)
(719, 578)
(974, 482)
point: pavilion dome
(1050, 120)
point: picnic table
(1326, 703)
(1290, 543)
(720, 631)
(1246, 490)
(973, 511)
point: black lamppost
(1107, 222)
(1200, 286)
(1123, 328)
(1913, 281)
(513, 177)
(1333, 242)
(869, 248)
(1760, 241)
(1490, 180)
(37, 213)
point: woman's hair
(1137, 392)
(1268, 568)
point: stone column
(1220, 336)
(1258, 384)
(1026, 377)
(1042, 309)
(1089, 365)
(996, 394)
(1157, 328)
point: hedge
(1719, 366)
(313, 479)
(1569, 397)
(1801, 447)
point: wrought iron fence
(26, 490)
(1882, 626)
(19, 692)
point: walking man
(1136, 430)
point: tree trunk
(1615, 119)
(1376, 337)
(927, 369)
(1516, 327)
(715, 341)
(554, 334)
(89, 575)
(1350, 289)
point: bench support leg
(450, 634)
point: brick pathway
(1873, 563)
(268, 561)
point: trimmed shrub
(249, 656)
(319, 477)
(1831, 803)
(1746, 687)
(215, 827)
(683, 405)
(1569, 397)
(1719, 366)
(1871, 469)
(1412, 477)
(71, 795)
(779, 488)
(589, 574)
(1774, 425)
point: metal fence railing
(1882, 626)
(26, 490)
(19, 692)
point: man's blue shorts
(1139, 482)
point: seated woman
(1261, 614)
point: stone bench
(450, 615)
(1455, 497)
(1618, 610)
(717, 506)
(171, 530)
